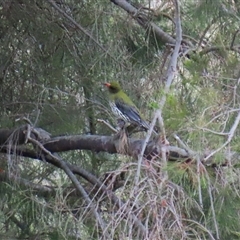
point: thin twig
(211, 131)
(183, 145)
(82, 29)
(140, 156)
(234, 37)
(163, 146)
(37, 117)
(199, 164)
(192, 154)
(28, 133)
(212, 206)
(107, 124)
(26, 119)
(230, 137)
(202, 227)
(172, 70)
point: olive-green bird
(123, 107)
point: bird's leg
(121, 124)
(122, 137)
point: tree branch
(230, 137)
(45, 155)
(64, 166)
(144, 21)
(171, 72)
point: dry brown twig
(107, 124)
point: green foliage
(50, 66)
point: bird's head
(113, 87)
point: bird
(123, 107)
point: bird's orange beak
(107, 84)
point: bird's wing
(130, 111)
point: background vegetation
(55, 55)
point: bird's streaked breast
(118, 113)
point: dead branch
(144, 21)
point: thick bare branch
(144, 21)
(94, 143)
